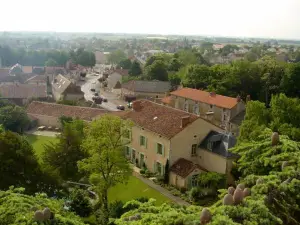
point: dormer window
(210, 145)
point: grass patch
(135, 188)
(38, 143)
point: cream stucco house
(162, 134)
(220, 110)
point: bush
(116, 209)
(212, 180)
(80, 203)
(142, 199)
(183, 190)
(142, 171)
(197, 194)
(148, 174)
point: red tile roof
(163, 120)
(184, 167)
(167, 100)
(58, 110)
(205, 97)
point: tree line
(11, 56)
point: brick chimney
(212, 94)
(136, 106)
(184, 121)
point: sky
(238, 18)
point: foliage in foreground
(17, 208)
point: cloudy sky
(243, 18)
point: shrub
(142, 171)
(142, 199)
(116, 209)
(80, 203)
(212, 180)
(183, 190)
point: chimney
(136, 106)
(184, 121)
(212, 94)
(248, 98)
(238, 98)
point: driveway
(91, 82)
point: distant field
(123, 192)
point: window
(194, 149)
(133, 154)
(186, 106)
(194, 180)
(143, 141)
(210, 145)
(196, 109)
(159, 168)
(159, 149)
(127, 134)
(211, 106)
(127, 150)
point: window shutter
(189, 182)
(156, 148)
(140, 140)
(154, 167)
(162, 169)
(146, 139)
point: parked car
(121, 107)
(93, 89)
(97, 100)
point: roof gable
(184, 167)
(206, 97)
(60, 83)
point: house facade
(116, 76)
(145, 89)
(64, 89)
(219, 109)
(162, 134)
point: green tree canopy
(62, 157)
(157, 71)
(116, 57)
(14, 118)
(51, 62)
(125, 64)
(135, 69)
(106, 164)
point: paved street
(92, 82)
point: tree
(19, 166)
(154, 58)
(250, 56)
(125, 64)
(83, 57)
(62, 157)
(157, 71)
(106, 163)
(135, 69)
(25, 206)
(14, 118)
(80, 203)
(51, 62)
(197, 76)
(116, 57)
(175, 64)
(291, 80)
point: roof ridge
(203, 91)
(74, 106)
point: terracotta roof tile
(58, 110)
(203, 96)
(23, 91)
(184, 167)
(167, 100)
(163, 120)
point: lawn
(38, 143)
(123, 192)
(135, 189)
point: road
(92, 82)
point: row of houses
(41, 87)
(189, 143)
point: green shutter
(189, 182)
(162, 169)
(130, 135)
(156, 148)
(145, 142)
(140, 140)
